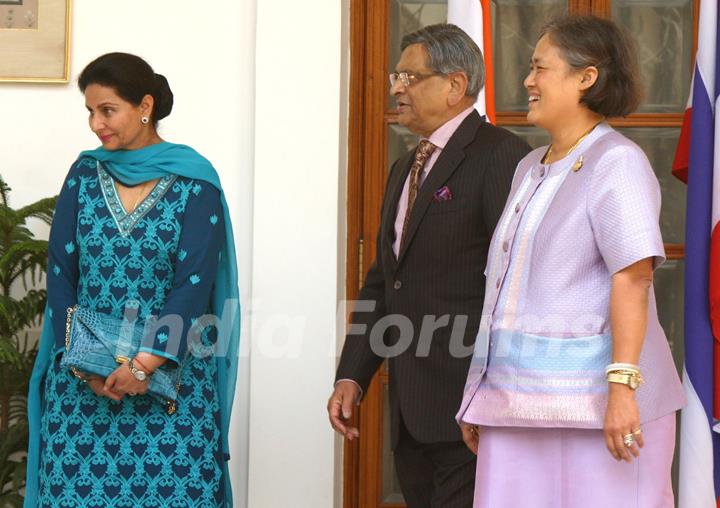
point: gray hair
(450, 50)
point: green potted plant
(23, 259)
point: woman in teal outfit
(141, 226)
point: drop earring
(145, 120)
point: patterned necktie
(422, 154)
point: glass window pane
(659, 145)
(534, 136)
(669, 281)
(406, 16)
(669, 294)
(515, 26)
(391, 493)
(663, 30)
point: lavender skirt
(570, 468)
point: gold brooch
(578, 164)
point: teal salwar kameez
(168, 257)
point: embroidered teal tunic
(161, 260)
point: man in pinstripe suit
(421, 301)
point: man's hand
(470, 436)
(339, 408)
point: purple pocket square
(443, 194)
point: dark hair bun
(163, 97)
(132, 78)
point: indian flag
(473, 16)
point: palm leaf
(15, 315)
(20, 255)
(18, 407)
(9, 355)
(42, 210)
(11, 500)
(22, 258)
(4, 192)
(28, 309)
(12, 472)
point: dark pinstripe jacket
(437, 278)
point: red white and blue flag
(473, 16)
(697, 162)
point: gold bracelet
(79, 375)
(622, 367)
(624, 371)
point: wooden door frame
(366, 180)
(367, 170)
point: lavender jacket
(544, 337)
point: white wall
(282, 169)
(208, 55)
(274, 135)
(298, 252)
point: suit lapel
(449, 160)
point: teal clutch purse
(96, 343)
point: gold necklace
(139, 195)
(580, 140)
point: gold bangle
(79, 375)
(625, 372)
(624, 367)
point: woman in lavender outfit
(572, 392)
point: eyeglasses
(408, 78)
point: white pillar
(298, 250)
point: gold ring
(132, 394)
(637, 432)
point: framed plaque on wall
(35, 40)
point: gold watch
(631, 379)
(138, 374)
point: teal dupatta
(132, 167)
